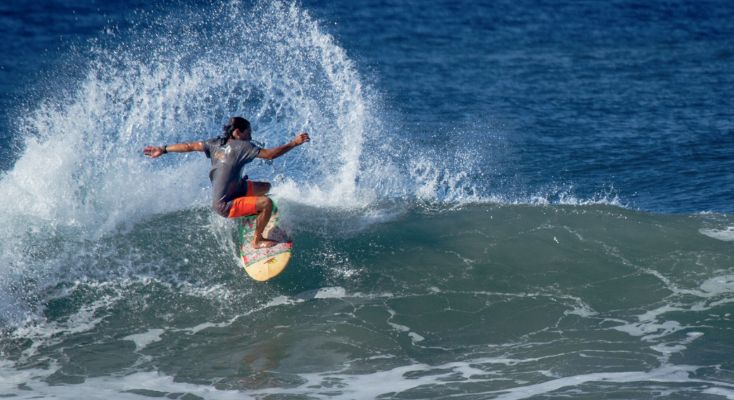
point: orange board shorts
(244, 206)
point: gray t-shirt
(226, 172)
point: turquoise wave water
(485, 301)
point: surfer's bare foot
(263, 243)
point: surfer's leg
(261, 206)
(264, 208)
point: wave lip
(167, 82)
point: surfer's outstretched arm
(276, 152)
(157, 151)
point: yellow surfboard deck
(263, 264)
(269, 267)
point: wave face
(422, 267)
(504, 302)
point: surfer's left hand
(153, 151)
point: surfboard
(263, 264)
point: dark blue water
(505, 199)
(621, 96)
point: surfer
(233, 196)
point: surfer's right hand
(301, 138)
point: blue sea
(521, 199)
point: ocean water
(501, 200)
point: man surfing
(232, 195)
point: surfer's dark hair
(234, 123)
